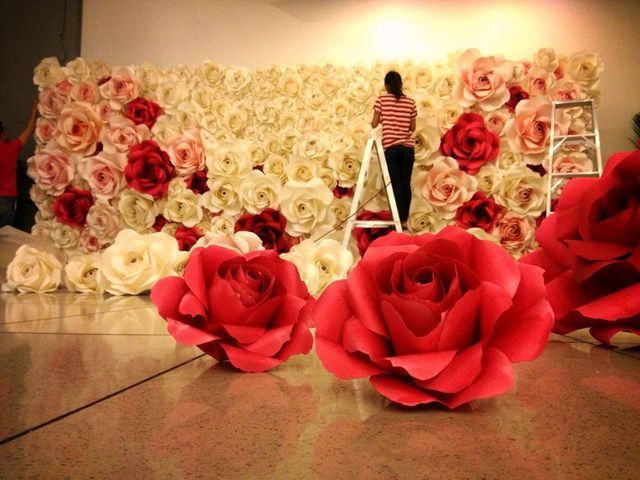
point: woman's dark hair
(1, 127)
(393, 82)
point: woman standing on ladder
(397, 113)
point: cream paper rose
(448, 115)
(572, 162)
(103, 220)
(79, 128)
(340, 208)
(104, 110)
(565, 89)
(287, 119)
(48, 72)
(488, 178)
(257, 153)
(33, 270)
(42, 228)
(422, 76)
(522, 191)
(99, 70)
(443, 85)
(137, 210)
(165, 130)
(236, 79)
(211, 72)
(290, 84)
(301, 169)
(481, 80)
(445, 187)
(528, 132)
(203, 96)
(188, 115)
(305, 205)
(339, 140)
(328, 176)
(77, 70)
(223, 195)
(120, 134)
(186, 152)
(424, 218)
(276, 165)
(546, 58)
(64, 236)
(427, 140)
(320, 263)
(346, 164)
(148, 78)
(235, 119)
(427, 105)
(170, 92)
(121, 88)
(516, 233)
(104, 174)
(259, 191)
(314, 98)
(507, 158)
(265, 112)
(135, 262)
(82, 274)
(228, 159)
(241, 242)
(52, 169)
(287, 137)
(184, 208)
(585, 69)
(312, 145)
(360, 92)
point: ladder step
(575, 174)
(373, 223)
(573, 103)
(583, 136)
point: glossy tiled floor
(93, 387)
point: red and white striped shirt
(396, 116)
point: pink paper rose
(120, 88)
(52, 169)
(120, 134)
(187, 153)
(104, 174)
(79, 128)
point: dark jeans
(7, 210)
(400, 161)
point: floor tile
(574, 414)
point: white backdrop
(262, 32)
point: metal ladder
(590, 139)
(364, 168)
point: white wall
(261, 32)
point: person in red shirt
(9, 155)
(397, 113)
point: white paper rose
(211, 72)
(489, 178)
(445, 186)
(259, 191)
(33, 270)
(148, 78)
(427, 140)
(301, 169)
(241, 242)
(64, 236)
(228, 159)
(184, 208)
(165, 130)
(135, 262)
(346, 164)
(585, 69)
(276, 165)
(137, 210)
(82, 274)
(522, 191)
(305, 205)
(223, 195)
(48, 72)
(320, 263)
(170, 92)
(236, 79)
(224, 223)
(546, 58)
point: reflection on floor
(93, 387)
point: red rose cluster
(143, 112)
(149, 169)
(72, 206)
(590, 250)
(470, 142)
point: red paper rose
(198, 182)
(247, 309)
(72, 206)
(149, 169)
(159, 223)
(433, 318)
(187, 237)
(590, 248)
(517, 94)
(143, 112)
(269, 225)
(480, 212)
(340, 192)
(364, 236)
(470, 143)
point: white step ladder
(589, 139)
(362, 176)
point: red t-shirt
(396, 116)
(9, 153)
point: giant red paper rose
(470, 143)
(590, 249)
(149, 169)
(72, 207)
(433, 318)
(143, 112)
(270, 226)
(247, 309)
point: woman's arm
(376, 120)
(31, 126)
(412, 125)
